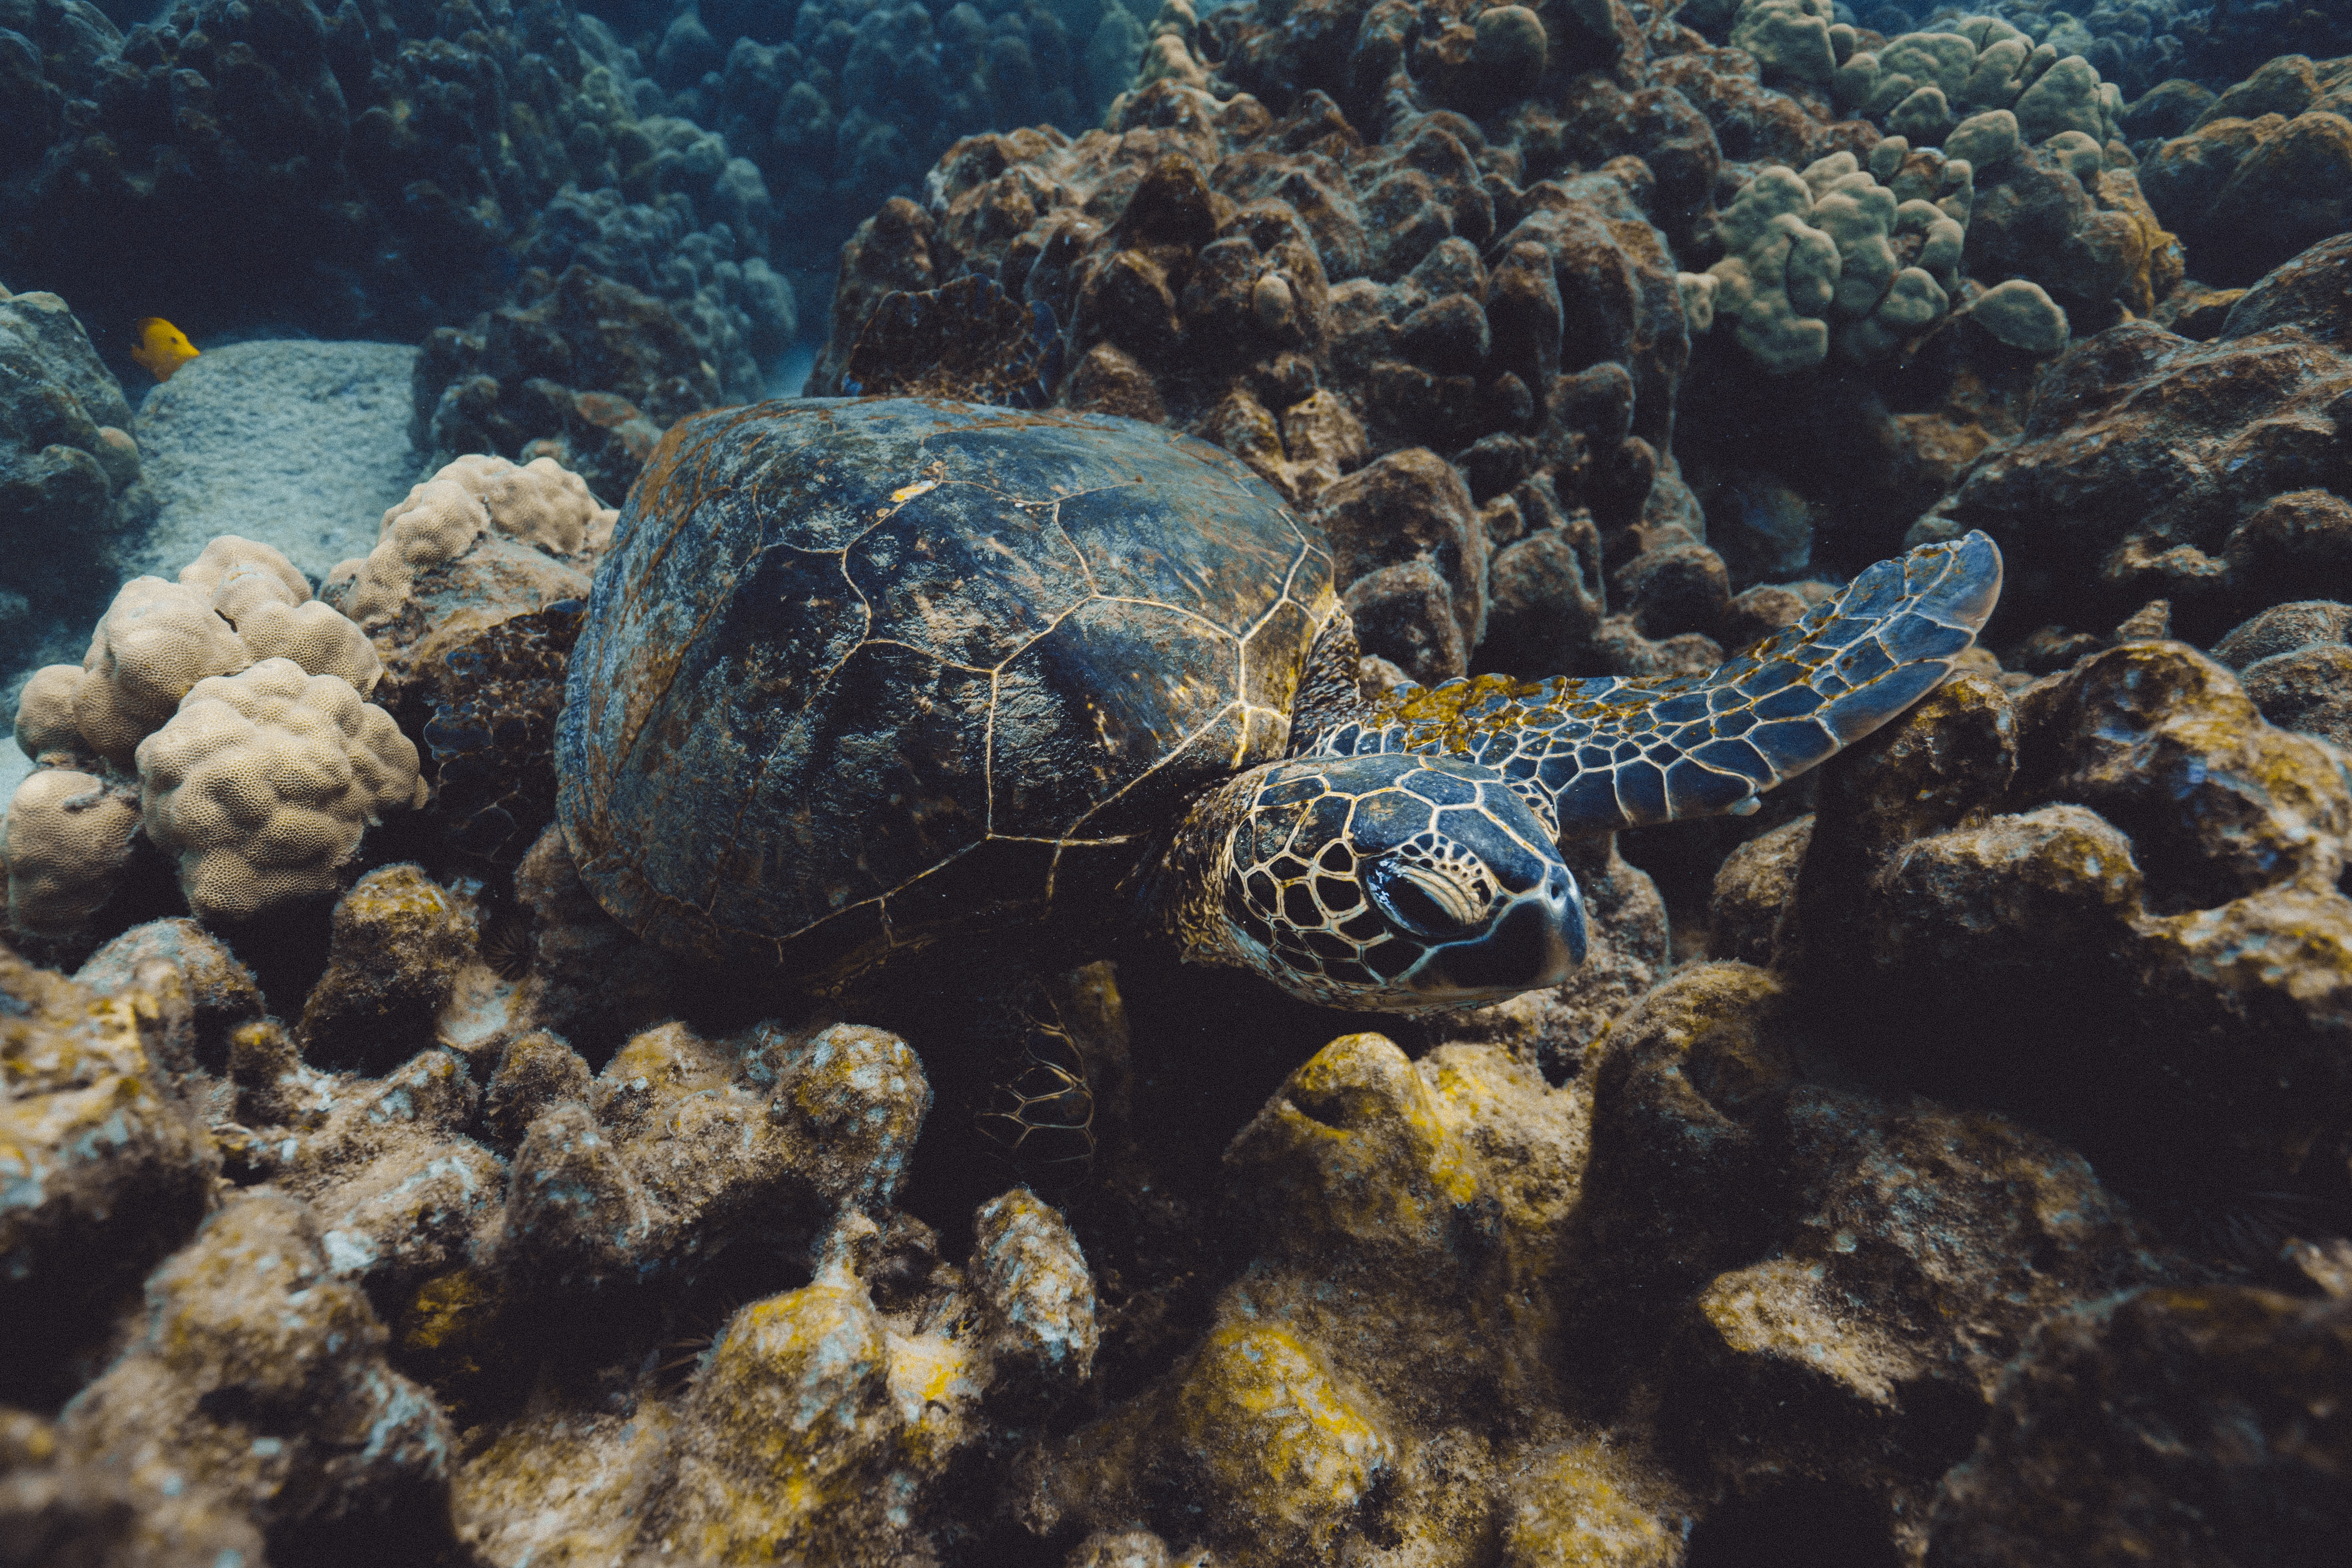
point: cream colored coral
(268, 600)
(540, 503)
(475, 470)
(240, 575)
(319, 637)
(438, 523)
(156, 640)
(44, 718)
(65, 842)
(546, 504)
(263, 783)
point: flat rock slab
(298, 444)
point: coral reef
(843, 106)
(2293, 661)
(230, 706)
(581, 369)
(2262, 172)
(1949, 1163)
(2139, 804)
(1780, 275)
(2206, 474)
(2082, 1405)
(379, 170)
(109, 1166)
(393, 169)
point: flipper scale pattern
(1596, 754)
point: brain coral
(261, 594)
(263, 782)
(238, 603)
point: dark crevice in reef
(1795, 1524)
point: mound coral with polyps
(538, 503)
(287, 795)
(156, 640)
(66, 839)
(237, 602)
(1803, 245)
(263, 783)
(269, 779)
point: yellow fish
(163, 347)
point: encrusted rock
(2176, 1426)
(2154, 466)
(682, 1145)
(2125, 878)
(258, 1387)
(106, 1168)
(399, 943)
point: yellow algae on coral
(564, 1488)
(782, 1419)
(1595, 1504)
(1356, 1137)
(1272, 1433)
(449, 1309)
(1784, 1308)
(935, 1382)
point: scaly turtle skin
(1585, 755)
(861, 676)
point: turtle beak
(1537, 941)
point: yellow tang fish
(163, 347)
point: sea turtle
(866, 679)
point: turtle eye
(1421, 901)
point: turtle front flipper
(1039, 1108)
(1604, 752)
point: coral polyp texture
(1480, 785)
(233, 707)
(262, 782)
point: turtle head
(1389, 883)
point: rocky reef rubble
(326, 1362)
(1477, 266)
(2209, 475)
(1805, 1239)
(1994, 1133)
(1948, 1165)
